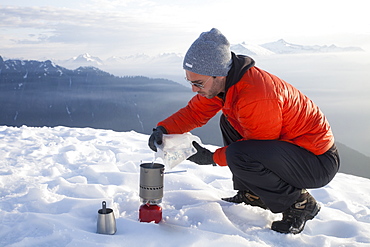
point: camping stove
(151, 192)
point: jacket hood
(240, 65)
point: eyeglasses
(197, 84)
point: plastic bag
(176, 148)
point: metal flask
(106, 221)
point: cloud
(46, 18)
(123, 30)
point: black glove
(203, 156)
(156, 137)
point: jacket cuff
(220, 156)
(163, 129)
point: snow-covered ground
(53, 181)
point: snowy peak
(248, 49)
(82, 60)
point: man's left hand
(203, 156)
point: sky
(40, 29)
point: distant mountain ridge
(277, 47)
(88, 60)
(169, 65)
(283, 47)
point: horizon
(183, 54)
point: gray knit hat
(209, 54)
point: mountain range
(38, 93)
(277, 47)
(41, 93)
(169, 65)
(283, 47)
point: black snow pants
(276, 171)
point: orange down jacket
(260, 106)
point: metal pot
(151, 183)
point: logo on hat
(189, 65)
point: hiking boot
(295, 217)
(247, 197)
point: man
(277, 141)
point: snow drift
(53, 181)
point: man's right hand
(156, 137)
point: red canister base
(149, 213)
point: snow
(53, 181)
